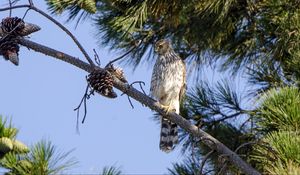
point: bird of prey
(168, 86)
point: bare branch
(56, 54)
(15, 7)
(206, 139)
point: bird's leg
(167, 108)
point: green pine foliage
(280, 110)
(240, 33)
(58, 6)
(278, 121)
(215, 108)
(8, 142)
(281, 155)
(111, 170)
(43, 159)
(81, 8)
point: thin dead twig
(97, 58)
(131, 85)
(139, 42)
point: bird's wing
(154, 79)
(183, 86)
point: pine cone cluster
(11, 28)
(102, 82)
(14, 25)
(10, 49)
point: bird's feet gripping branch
(167, 108)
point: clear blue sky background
(41, 93)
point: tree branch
(31, 6)
(14, 7)
(207, 139)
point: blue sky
(41, 93)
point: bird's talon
(167, 109)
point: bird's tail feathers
(168, 135)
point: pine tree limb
(205, 138)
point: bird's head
(162, 46)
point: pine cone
(13, 25)
(17, 27)
(117, 72)
(10, 49)
(102, 82)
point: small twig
(83, 100)
(85, 97)
(85, 109)
(142, 87)
(10, 10)
(30, 2)
(204, 160)
(120, 57)
(97, 58)
(131, 104)
(25, 14)
(15, 7)
(140, 83)
(243, 145)
(125, 54)
(131, 85)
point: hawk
(168, 86)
